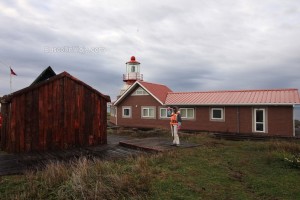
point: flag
(12, 72)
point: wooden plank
(35, 120)
(16, 131)
(67, 107)
(55, 114)
(72, 105)
(61, 117)
(80, 103)
(49, 116)
(66, 111)
(103, 121)
(76, 116)
(95, 120)
(4, 130)
(46, 115)
(99, 120)
(70, 126)
(49, 131)
(28, 121)
(87, 122)
(12, 131)
(98, 125)
(92, 117)
(41, 119)
(21, 123)
(81, 116)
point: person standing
(174, 129)
(179, 119)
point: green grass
(217, 169)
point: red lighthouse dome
(133, 61)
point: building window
(140, 91)
(259, 120)
(217, 114)
(165, 112)
(132, 68)
(148, 112)
(126, 112)
(187, 113)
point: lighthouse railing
(132, 76)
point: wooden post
(5, 121)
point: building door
(259, 120)
(297, 120)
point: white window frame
(148, 108)
(186, 117)
(222, 114)
(130, 111)
(139, 92)
(160, 115)
(255, 122)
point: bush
(294, 160)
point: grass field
(217, 169)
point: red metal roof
(238, 97)
(157, 90)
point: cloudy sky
(191, 45)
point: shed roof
(235, 97)
(53, 78)
(46, 74)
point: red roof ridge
(151, 83)
(250, 90)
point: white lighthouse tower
(132, 74)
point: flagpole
(10, 83)
(11, 74)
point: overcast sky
(191, 45)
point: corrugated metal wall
(58, 115)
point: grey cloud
(198, 45)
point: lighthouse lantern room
(132, 74)
(132, 71)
